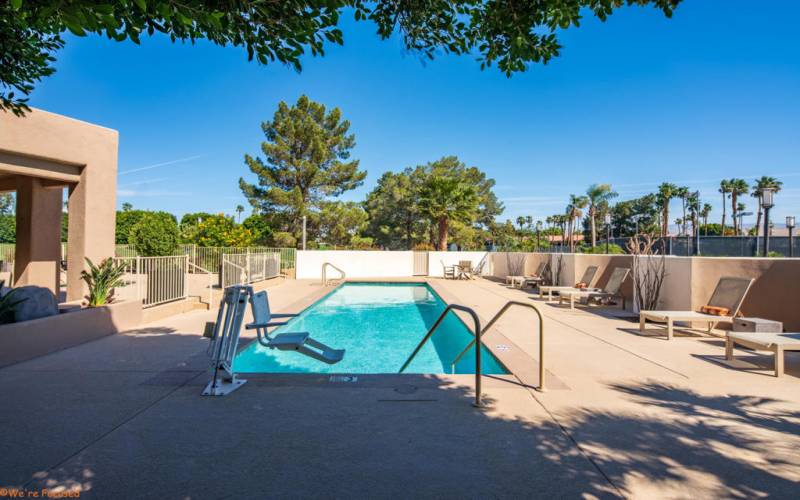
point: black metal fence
(719, 246)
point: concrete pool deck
(626, 415)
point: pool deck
(626, 415)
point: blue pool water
(379, 325)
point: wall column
(92, 217)
(38, 249)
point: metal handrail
(325, 273)
(210, 279)
(477, 403)
(494, 320)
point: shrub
(601, 249)
(221, 231)
(284, 240)
(101, 280)
(154, 235)
(8, 306)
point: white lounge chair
(289, 341)
(729, 294)
(587, 278)
(611, 291)
(777, 343)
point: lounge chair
(289, 341)
(727, 298)
(449, 271)
(587, 278)
(611, 291)
(778, 343)
(532, 279)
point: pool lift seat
(300, 342)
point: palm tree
(683, 193)
(724, 188)
(444, 198)
(239, 210)
(666, 191)
(704, 213)
(737, 187)
(597, 194)
(759, 184)
(574, 212)
(528, 220)
(693, 204)
(520, 222)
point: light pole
(538, 231)
(767, 202)
(696, 224)
(790, 227)
(608, 230)
(741, 216)
(304, 232)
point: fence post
(186, 276)
(139, 278)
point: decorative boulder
(39, 302)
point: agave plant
(101, 280)
(8, 306)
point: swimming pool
(379, 325)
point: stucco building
(42, 155)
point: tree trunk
(665, 221)
(594, 230)
(683, 221)
(758, 216)
(733, 212)
(724, 214)
(442, 234)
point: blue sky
(641, 99)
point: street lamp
(696, 224)
(538, 230)
(790, 227)
(767, 202)
(608, 230)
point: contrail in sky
(172, 162)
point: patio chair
(533, 279)
(611, 291)
(778, 343)
(725, 301)
(289, 341)
(586, 279)
(449, 271)
(465, 269)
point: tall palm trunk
(758, 215)
(724, 215)
(733, 214)
(665, 220)
(442, 234)
(594, 227)
(683, 229)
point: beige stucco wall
(774, 294)
(66, 153)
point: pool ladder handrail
(478, 403)
(325, 273)
(491, 323)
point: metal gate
(420, 263)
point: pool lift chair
(226, 331)
(289, 341)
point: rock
(39, 302)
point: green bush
(154, 235)
(601, 249)
(284, 240)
